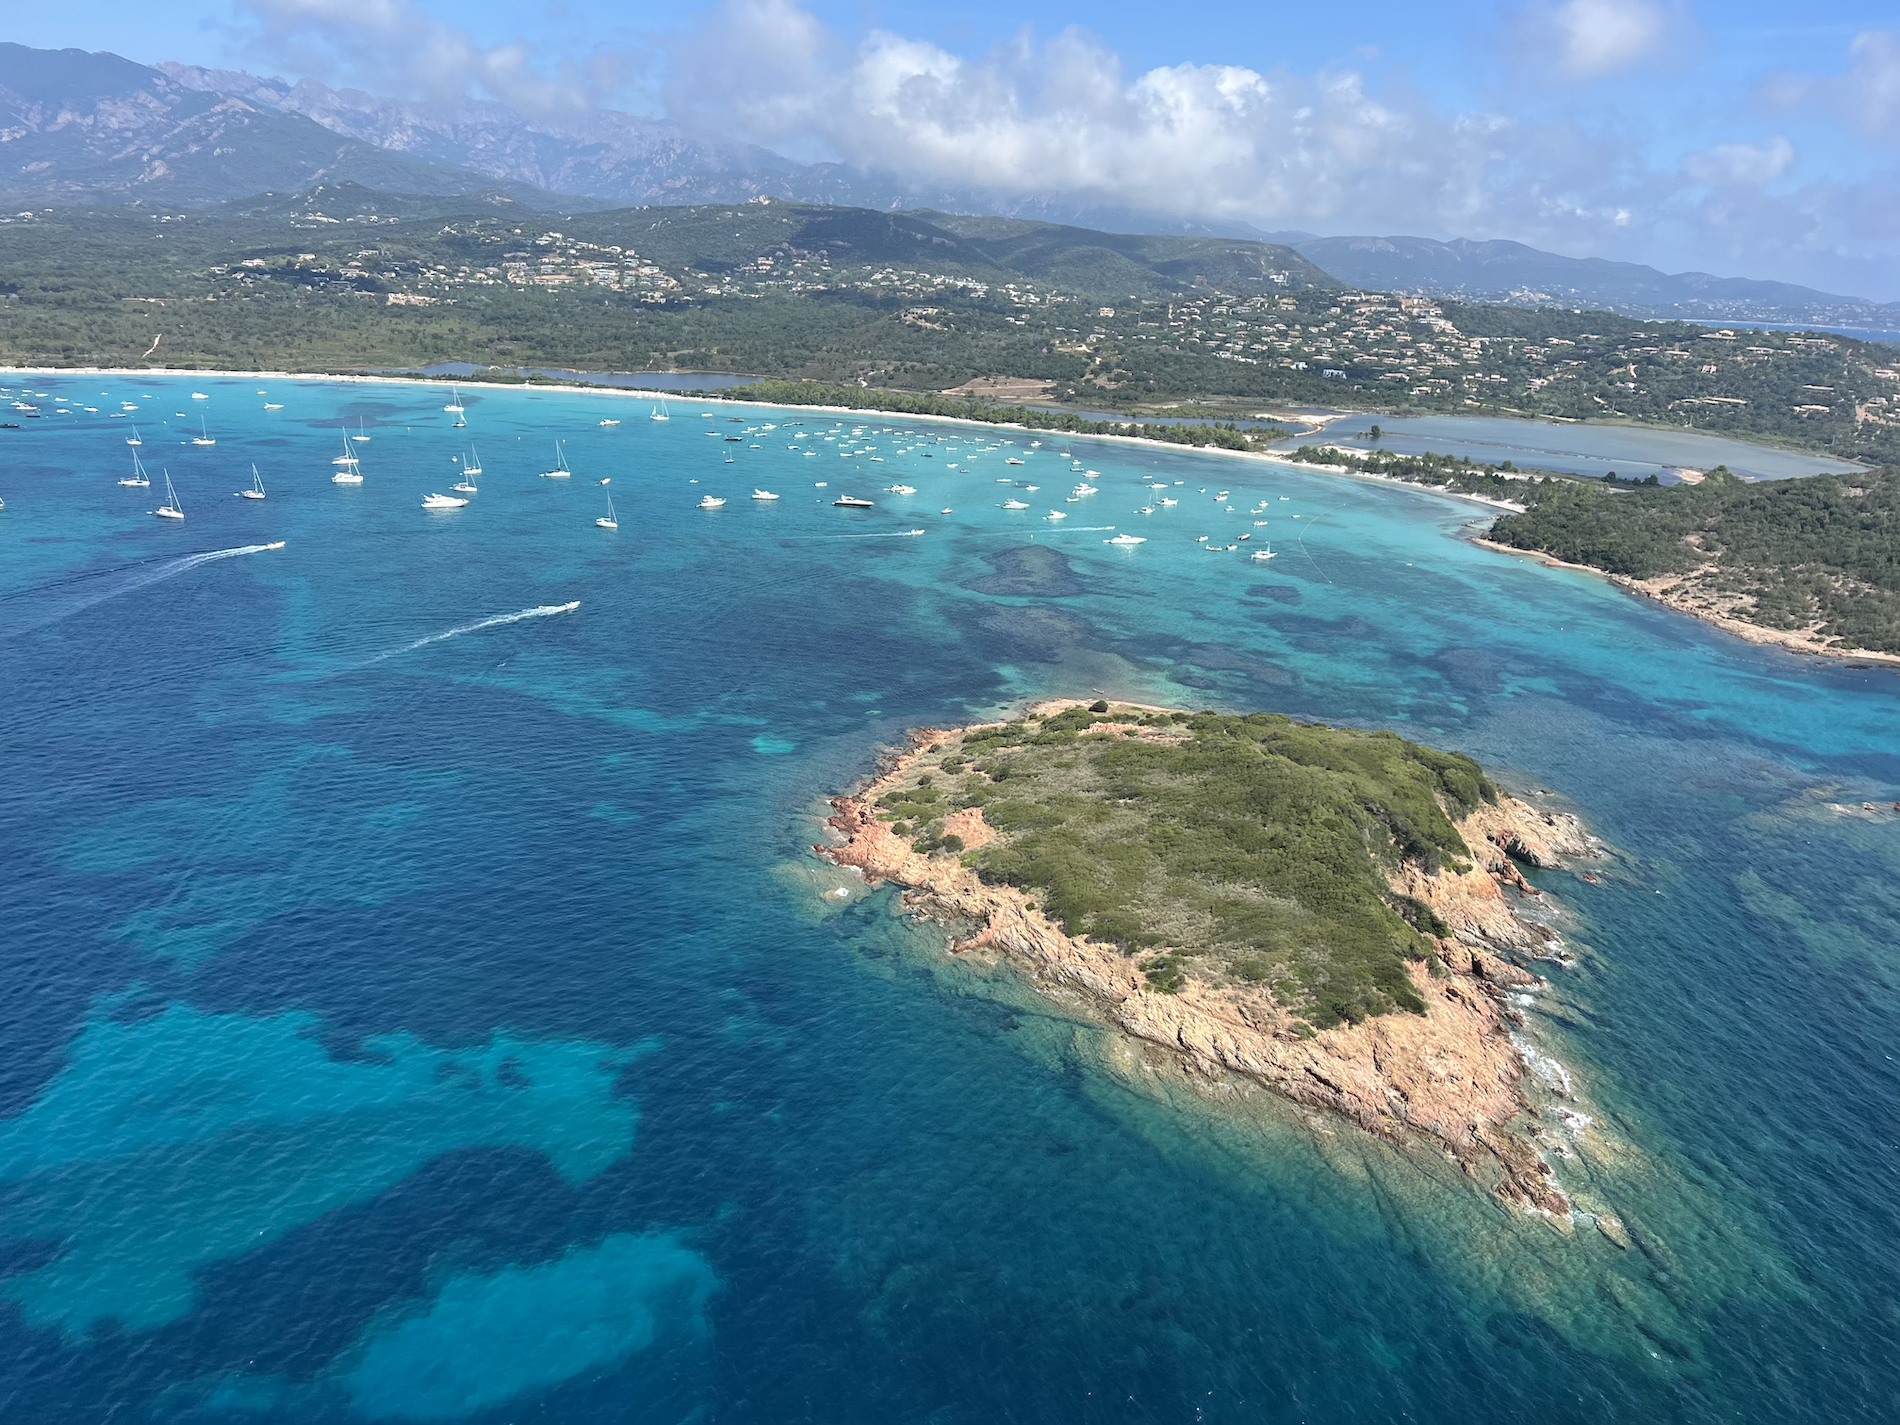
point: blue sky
(1745, 138)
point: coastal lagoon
(1577, 448)
(423, 1004)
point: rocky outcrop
(1451, 1077)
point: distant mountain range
(1499, 271)
(77, 127)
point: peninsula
(1325, 912)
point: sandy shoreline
(1751, 633)
(1785, 639)
(644, 393)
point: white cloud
(1740, 165)
(1063, 121)
(394, 46)
(1870, 95)
(1598, 37)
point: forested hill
(1818, 556)
(342, 277)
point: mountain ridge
(81, 127)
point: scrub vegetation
(1230, 849)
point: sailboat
(608, 521)
(470, 469)
(560, 470)
(138, 480)
(256, 492)
(659, 413)
(454, 406)
(362, 431)
(348, 457)
(204, 436)
(135, 437)
(171, 509)
(350, 474)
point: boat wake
(540, 611)
(28, 609)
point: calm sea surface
(1578, 448)
(420, 1004)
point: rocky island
(1323, 911)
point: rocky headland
(1410, 1039)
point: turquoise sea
(421, 1004)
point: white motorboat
(1261, 556)
(204, 436)
(560, 470)
(1126, 540)
(1057, 515)
(1014, 505)
(712, 502)
(903, 489)
(256, 492)
(610, 423)
(199, 396)
(1086, 489)
(608, 521)
(138, 479)
(171, 509)
(443, 502)
(763, 495)
(1012, 461)
(1170, 502)
(851, 502)
(272, 406)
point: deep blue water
(421, 1011)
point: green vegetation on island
(1819, 556)
(1253, 850)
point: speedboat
(272, 406)
(171, 509)
(608, 521)
(1014, 505)
(1126, 540)
(712, 502)
(903, 489)
(1057, 515)
(1170, 502)
(1012, 461)
(443, 502)
(256, 492)
(610, 423)
(763, 495)
(851, 502)
(1086, 489)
